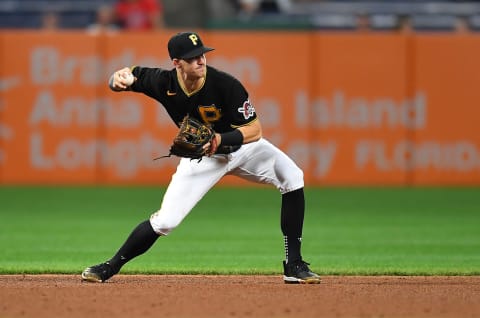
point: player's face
(195, 67)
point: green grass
(364, 231)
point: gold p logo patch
(209, 114)
(193, 38)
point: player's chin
(201, 71)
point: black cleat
(299, 273)
(98, 273)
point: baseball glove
(191, 139)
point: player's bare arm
(121, 80)
(242, 135)
(251, 132)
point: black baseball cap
(186, 45)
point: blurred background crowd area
(122, 15)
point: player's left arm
(247, 127)
(252, 131)
(241, 135)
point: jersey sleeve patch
(247, 109)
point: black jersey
(222, 101)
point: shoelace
(302, 265)
(104, 270)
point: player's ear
(176, 63)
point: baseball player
(217, 98)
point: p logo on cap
(194, 38)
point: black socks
(292, 214)
(139, 241)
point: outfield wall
(351, 109)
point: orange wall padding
(350, 108)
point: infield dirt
(183, 296)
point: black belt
(225, 150)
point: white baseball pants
(258, 161)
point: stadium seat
(434, 22)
